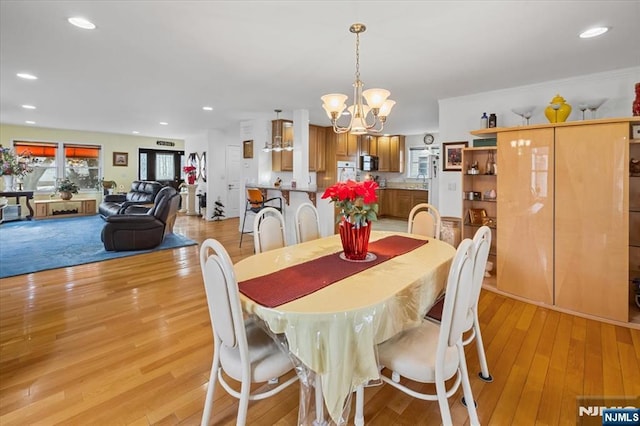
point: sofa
(142, 192)
(123, 232)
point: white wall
(460, 115)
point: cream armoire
(563, 213)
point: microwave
(368, 163)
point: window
(42, 158)
(422, 161)
(53, 160)
(82, 165)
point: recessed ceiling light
(27, 76)
(30, 122)
(594, 32)
(82, 23)
(207, 108)
(28, 107)
(135, 132)
(164, 123)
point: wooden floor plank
(128, 341)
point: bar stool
(255, 203)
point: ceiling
(152, 61)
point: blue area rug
(38, 245)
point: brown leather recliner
(123, 232)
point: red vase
(355, 239)
(191, 179)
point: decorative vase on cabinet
(558, 110)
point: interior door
(164, 166)
(234, 164)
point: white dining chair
(268, 230)
(430, 353)
(482, 246)
(307, 223)
(242, 349)
(424, 219)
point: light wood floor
(128, 342)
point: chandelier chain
(357, 57)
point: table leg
(30, 215)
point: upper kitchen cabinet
(317, 151)
(368, 145)
(390, 152)
(282, 133)
(346, 146)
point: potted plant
(66, 189)
(12, 165)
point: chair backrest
(307, 223)
(254, 197)
(223, 298)
(144, 191)
(456, 303)
(482, 245)
(165, 204)
(268, 230)
(424, 219)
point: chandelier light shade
(368, 114)
(277, 143)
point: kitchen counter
(311, 191)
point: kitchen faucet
(424, 179)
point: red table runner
(291, 283)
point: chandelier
(277, 144)
(364, 116)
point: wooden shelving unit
(480, 185)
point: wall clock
(428, 139)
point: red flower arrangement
(357, 201)
(191, 174)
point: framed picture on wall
(121, 159)
(247, 149)
(452, 156)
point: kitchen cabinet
(346, 146)
(397, 203)
(368, 145)
(381, 197)
(479, 194)
(390, 151)
(317, 152)
(565, 208)
(282, 161)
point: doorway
(234, 167)
(164, 166)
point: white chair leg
(482, 358)
(208, 402)
(443, 403)
(243, 406)
(466, 389)
(359, 416)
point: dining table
(331, 312)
